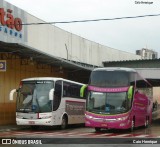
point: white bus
(47, 101)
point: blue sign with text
(2, 65)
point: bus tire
(64, 123)
(132, 125)
(97, 129)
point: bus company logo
(104, 120)
(121, 89)
(6, 141)
(10, 22)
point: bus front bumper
(36, 122)
(121, 123)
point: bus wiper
(37, 100)
(26, 109)
(38, 104)
(120, 110)
(35, 97)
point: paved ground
(57, 136)
(9, 127)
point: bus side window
(65, 89)
(57, 95)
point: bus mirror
(11, 94)
(130, 92)
(51, 94)
(82, 91)
(17, 90)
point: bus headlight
(88, 116)
(19, 116)
(45, 117)
(122, 118)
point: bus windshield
(107, 103)
(33, 96)
(104, 78)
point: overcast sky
(126, 35)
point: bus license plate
(103, 125)
(31, 122)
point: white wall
(52, 40)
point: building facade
(147, 53)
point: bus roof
(50, 78)
(115, 69)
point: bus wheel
(64, 122)
(132, 125)
(147, 122)
(97, 129)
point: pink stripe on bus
(98, 89)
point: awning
(25, 51)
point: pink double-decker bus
(117, 98)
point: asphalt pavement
(4, 128)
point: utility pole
(67, 51)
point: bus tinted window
(33, 96)
(57, 95)
(71, 90)
(105, 78)
(143, 86)
(111, 103)
(141, 82)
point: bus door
(57, 105)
